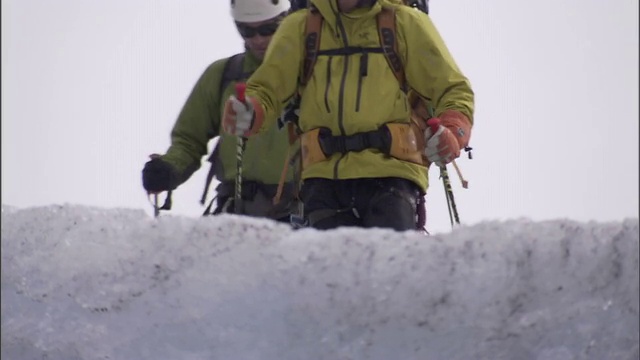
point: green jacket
(200, 121)
(338, 98)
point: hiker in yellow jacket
(354, 113)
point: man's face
(257, 35)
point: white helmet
(248, 11)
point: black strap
(207, 211)
(298, 4)
(422, 5)
(212, 171)
(233, 71)
(378, 139)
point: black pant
(369, 202)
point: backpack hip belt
(399, 140)
(406, 139)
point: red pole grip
(240, 89)
(434, 123)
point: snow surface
(92, 283)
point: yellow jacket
(339, 98)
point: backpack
(233, 71)
(386, 30)
(386, 24)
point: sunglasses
(264, 30)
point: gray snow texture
(88, 283)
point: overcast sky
(91, 88)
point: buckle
(325, 139)
(383, 140)
(356, 142)
(379, 139)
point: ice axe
(240, 146)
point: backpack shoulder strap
(311, 43)
(389, 43)
(232, 71)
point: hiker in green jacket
(200, 121)
(359, 74)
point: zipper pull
(364, 64)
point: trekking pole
(240, 147)
(451, 203)
(434, 123)
(156, 208)
(167, 202)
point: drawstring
(283, 175)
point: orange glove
(242, 118)
(446, 136)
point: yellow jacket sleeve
(429, 67)
(275, 82)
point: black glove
(158, 176)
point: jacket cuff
(459, 125)
(258, 117)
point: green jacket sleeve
(276, 80)
(430, 69)
(197, 123)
